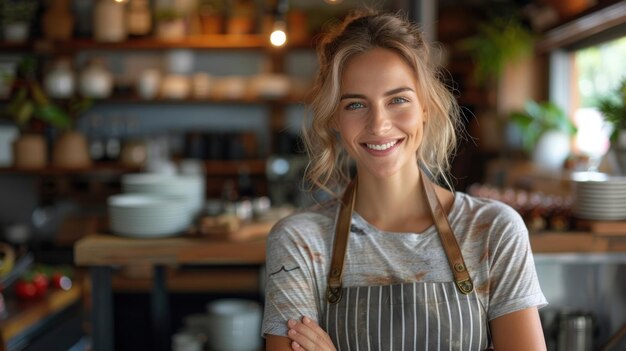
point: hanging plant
(498, 41)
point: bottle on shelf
(139, 18)
(109, 21)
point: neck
(395, 203)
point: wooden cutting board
(231, 228)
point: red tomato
(41, 282)
(25, 290)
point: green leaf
(54, 115)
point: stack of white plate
(599, 196)
(147, 215)
(190, 187)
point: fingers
(308, 335)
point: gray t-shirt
(492, 236)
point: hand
(309, 336)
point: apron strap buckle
(333, 294)
(465, 286)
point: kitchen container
(109, 21)
(95, 80)
(148, 215)
(59, 82)
(234, 325)
(575, 332)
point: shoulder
(488, 210)
(307, 222)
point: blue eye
(354, 106)
(398, 100)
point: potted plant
(241, 17)
(211, 14)
(170, 24)
(546, 133)
(16, 17)
(613, 107)
(31, 110)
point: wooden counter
(24, 316)
(111, 250)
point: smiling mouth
(383, 147)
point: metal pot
(575, 331)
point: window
(598, 70)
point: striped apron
(410, 316)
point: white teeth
(383, 146)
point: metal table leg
(160, 311)
(102, 309)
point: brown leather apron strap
(450, 245)
(462, 278)
(342, 231)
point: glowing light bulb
(278, 36)
(333, 2)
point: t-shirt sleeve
(513, 278)
(290, 285)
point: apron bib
(411, 316)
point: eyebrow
(388, 93)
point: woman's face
(380, 118)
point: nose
(379, 121)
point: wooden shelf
(244, 279)
(198, 42)
(133, 99)
(212, 168)
(100, 168)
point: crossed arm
(517, 331)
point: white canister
(109, 21)
(60, 82)
(96, 81)
(234, 324)
(8, 134)
(179, 61)
(149, 84)
(138, 17)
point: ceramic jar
(60, 82)
(71, 151)
(149, 84)
(30, 152)
(96, 81)
(109, 21)
(138, 18)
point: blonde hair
(328, 167)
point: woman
(395, 262)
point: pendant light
(278, 37)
